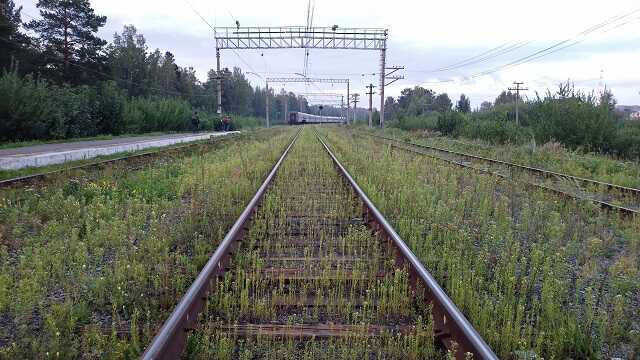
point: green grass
(550, 156)
(536, 274)
(91, 266)
(310, 221)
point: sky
(423, 36)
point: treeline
(576, 119)
(65, 81)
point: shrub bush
(450, 122)
(34, 109)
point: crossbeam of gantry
(287, 37)
(320, 94)
(306, 80)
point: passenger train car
(296, 118)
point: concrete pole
(348, 99)
(517, 116)
(342, 105)
(286, 107)
(219, 78)
(383, 58)
(267, 102)
(370, 105)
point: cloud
(422, 36)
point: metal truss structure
(302, 80)
(292, 37)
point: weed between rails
(537, 275)
(92, 267)
(311, 281)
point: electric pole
(370, 93)
(383, 78)
(517, 89)
(219, 83)
(354, 99)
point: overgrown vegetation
(538, 276)
(65, 82)
(571, 117)
(309, 259)
(551, 155)
(90, 266)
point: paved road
(47, 154)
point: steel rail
(462, 331)
(604, 204)
(35, 177)
(546, 173)
(170, 341)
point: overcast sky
(423, 36)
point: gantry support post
(219, 82)
(383, 59)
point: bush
(143, 115)
(495, 131)
(29, 108)
(421, 122)
(450, 122)
(111, 109)
(627, 141)
(35, 109)
(574, 119)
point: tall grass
(91, 266)
(538, 276)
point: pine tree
(464, 104)
(67, 32)
(14, 44)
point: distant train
(296, 118)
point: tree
(486, 106)
(15, 45)
(127, 59)
(464, 104)
(67, 32)
(442, 103)
(391, 107)
(505, 97)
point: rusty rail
(624, 210)
(445, 313)
(451, 324)
(170, 341)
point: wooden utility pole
(370, 93)
(517, 89)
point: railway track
(135, 160)
(311, 269)
(624, 200)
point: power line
(572, 41)
(480, 58)
(569, 42)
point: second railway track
(311, 269)
(624, 200)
